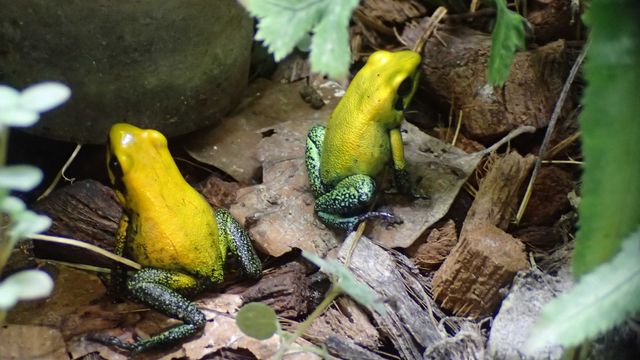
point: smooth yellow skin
(170, 225)
(363, 133)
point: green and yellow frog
(170, 229)
(345, 159)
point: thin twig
(60, 173)
(84, 245)
(571, 162)
(431, 26)
(562, 145)
(549, 132)
(455, 135)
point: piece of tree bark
(346, 349)
(486, 258)
(285, 289)
(409, 322)
(347, 323)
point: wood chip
(434, 250)
(469, 282)
(486, 258)
(409, 323)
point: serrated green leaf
(330, 45)
(602, 299)
(20, 177)
(507, 37)
(345, 281)
(25, 285)
(44, 96)
(282, 24)
(610, 203)
(257, 320)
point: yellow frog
(361, 139)
(170, 229)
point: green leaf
(25, 285)
(507, 37)
(12, 205)
(20, 177)
(282, 24)
(610, 202)
(602, 299)
(9, 97)
(18, 117)
(330, 52)
(28, 223)
(44, 96)
(345, 281)
(257, 320)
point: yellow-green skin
(361, 139)
(169, 229)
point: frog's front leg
(116, 282)
(351, 196)
(164, 291)
(313, 154)
(237, 240)
(401, 176)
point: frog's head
(393, 75)
(136, 158)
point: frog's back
(189, 245)
(353, 144)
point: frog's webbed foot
(155, 288)
(350, 223)
(405, 186)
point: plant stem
(5, 243)
(332, 294)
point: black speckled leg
(350, 223)
(313, 154)
(154, 288)
(351, 195)
(238, 241)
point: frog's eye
(116, 174)
(115, 167)
(405, 87)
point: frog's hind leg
(351, 195)
(161, 290)
(238, 241)
(313, 154)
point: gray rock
(531, 290)
(171, 65)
